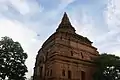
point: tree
(12, 60)
(108, 67)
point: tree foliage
(12, 60)
(108, 67)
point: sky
(31, 22)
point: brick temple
(65, 55)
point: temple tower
(65, 55)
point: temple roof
(65, 25)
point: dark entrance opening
(69, 74)
(82, 75)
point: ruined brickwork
(65, 55)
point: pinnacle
(65, 25)
(65, 19)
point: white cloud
(86, 25)
(14, 29)
(20, 5)
(2, 1)
(109, 42)
(113, 15)
(64, 3)
(67, 1)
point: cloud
(22, 10)
(64, 3)
(20, 5)
(26, 7)
(113, 14)
(109, 42)
(85, 24)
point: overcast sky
(31, 22)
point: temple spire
(65, 19)
(65, 25)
